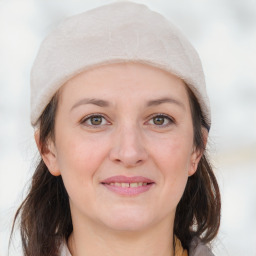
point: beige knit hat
(114, 33)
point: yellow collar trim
(179, 251)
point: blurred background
(223, 32)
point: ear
(49, 154)
(197, 153)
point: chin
(129, 221)
(128, 225)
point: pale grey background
(224, 33)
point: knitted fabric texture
(113, 33)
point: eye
(94, 120)
(161, 120)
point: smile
(128, 186)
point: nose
(128, 148)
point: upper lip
(125, 179)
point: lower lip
(130, 191)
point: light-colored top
(64, 251)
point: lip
(110, 184)
(125, 179)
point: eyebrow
(104, 103)
(97, 102)
(164, 100)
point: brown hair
(198, 212)
(45, 218)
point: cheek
(79, 159)
(77, 152)
(173, 157)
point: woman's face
(123, 146)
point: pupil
(96, 120)
(158, 120)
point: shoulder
(197, 248)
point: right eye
(94, 120)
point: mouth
(128, 186)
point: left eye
(94, 120)
(161, 120)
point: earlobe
(48, 154)
(195, 158)
(197, 154)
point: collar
(179, 251)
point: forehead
(124, 80)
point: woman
(121, 119)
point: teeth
(127, 185)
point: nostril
(128, 152)
(128, 162)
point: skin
(129, 140)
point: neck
(94, 240)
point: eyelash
(169, 119)
(86, 118)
